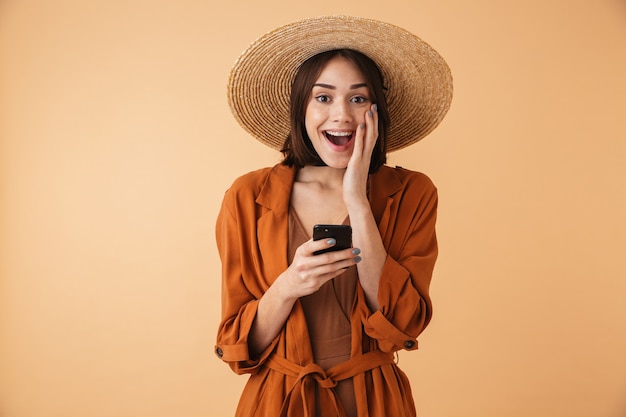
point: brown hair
(297, 149)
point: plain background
(117, 144)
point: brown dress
(327, 313)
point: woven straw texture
(418, 80)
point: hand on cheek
(367, 135)
(371, 124)
(355, 179)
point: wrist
(281, 291)
(358, 206)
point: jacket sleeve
(240, 292)
(403, 293)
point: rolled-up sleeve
(239, 300)
(403, 293)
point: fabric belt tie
(300, 400)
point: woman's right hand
(308, 272)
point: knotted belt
(300, 400)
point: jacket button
(409, 344)
(219, 352)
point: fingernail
(356, 251)
(362, 125)
(369, 113)
(375, 107)
(357, 259)
(331, 242)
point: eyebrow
(332, 87)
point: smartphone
(340, 232)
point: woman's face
(338, 103)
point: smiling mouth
(338, 138)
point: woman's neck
(326, 177)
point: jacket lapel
(273, 222)
(384, 184)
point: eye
(359, 99)
(322, 98)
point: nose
(341, 112)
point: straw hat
(418, 80)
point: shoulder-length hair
(297, 149)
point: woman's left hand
(365, 234)
(355, 178)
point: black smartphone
(340, 232)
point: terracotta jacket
(252, 233)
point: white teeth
(338, 133)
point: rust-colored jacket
(252, 233)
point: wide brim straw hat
(417, 78)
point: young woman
(318, 332)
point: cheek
(312, 120)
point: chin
(336, 164)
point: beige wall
(116, 144)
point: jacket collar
(383, 185)
(276, 191)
